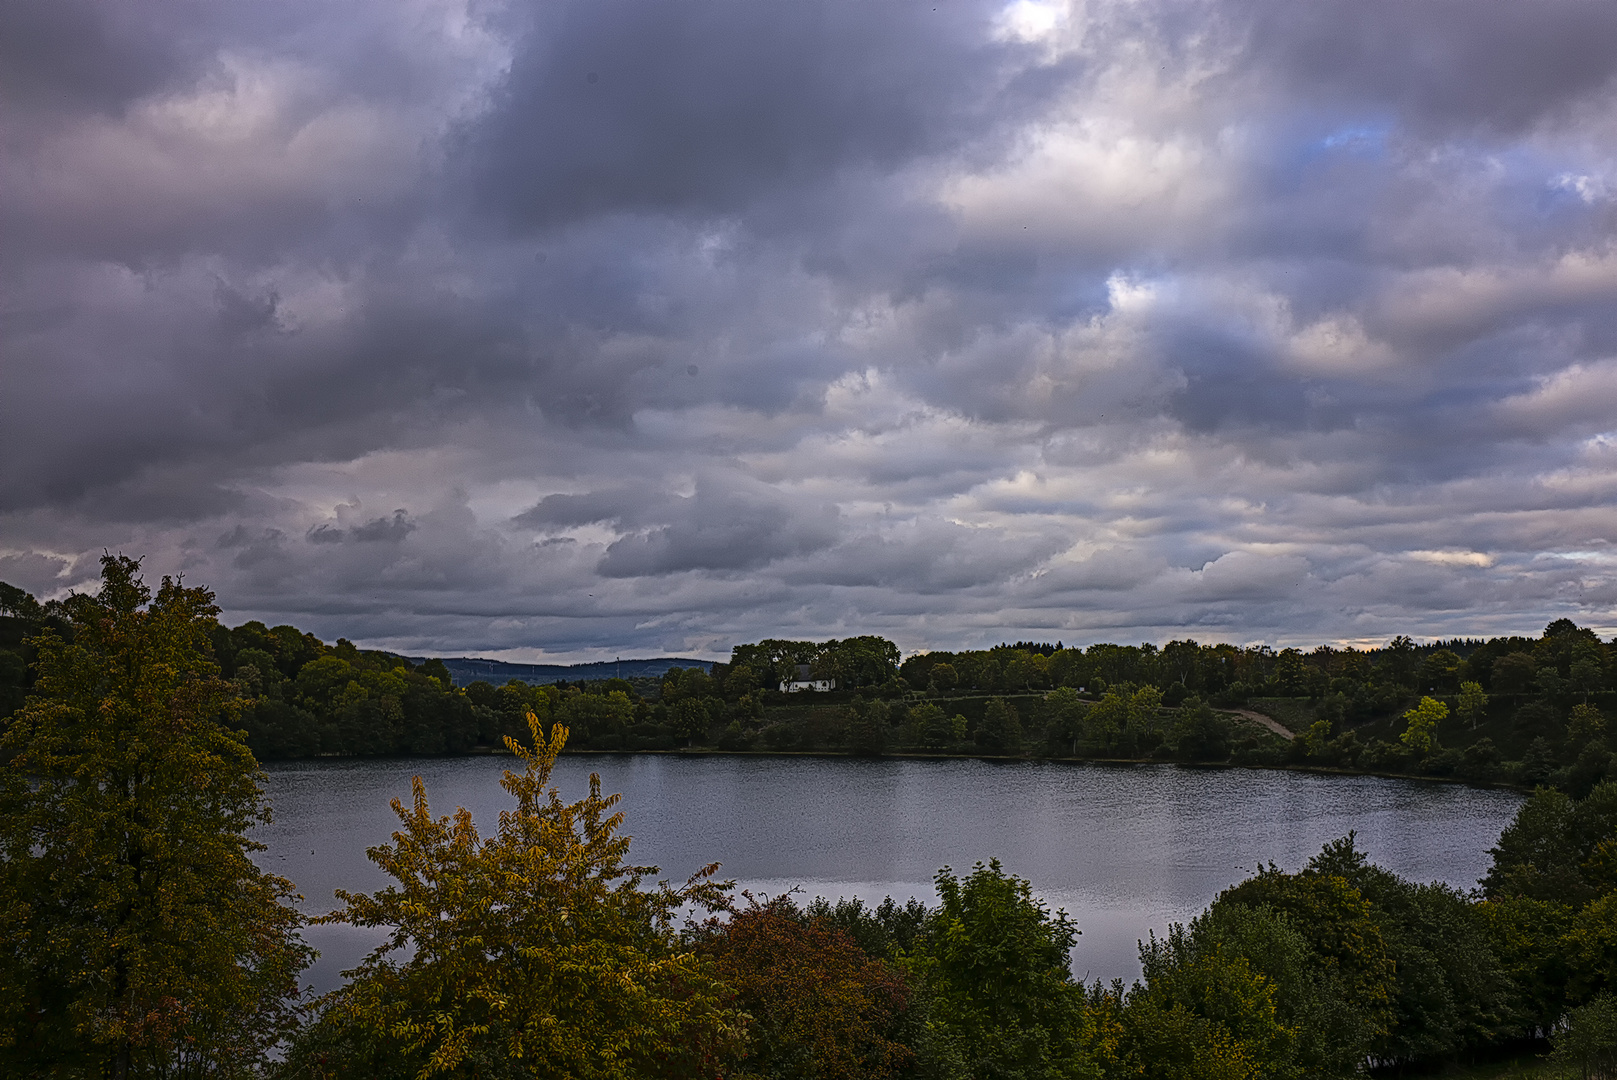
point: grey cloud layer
(587, 327)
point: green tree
(1514, 673)
(140, 939)
(1450, 987)
(1591, 949)
(1107, 718)
(1001, 729)
(1587, 1047)
(1066, 713)
(1420, 732)
(1328, 1035)
(1023, 670)
(1316, 737)
(1539, 855)
(1399, 662)
(1342, 931)
(1471, 703)
(867, 728)
(1585, 725)
(1204, 1012)
(1588, 668)
(1439, 670)
(536, 948)
(743, 679)
(1203, 734)
(1143, 706)
(1001, 1003)
(929, 726)
(690, 719)
(1538, 762)
(1526, 935)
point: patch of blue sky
(1364, 140)
(1301, 149)
(1083, 294)
(1555, 189)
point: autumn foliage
(536, 951)
(817, 1004)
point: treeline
(1527, 711)
(137, 938)
(1523, 710)
(1520, 710)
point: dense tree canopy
(140, 939)
(1519, 710)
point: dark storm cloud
(1440, 63)
(705, 105)
(595, 327)
(728, 523)
(384, 530)
(81, 53)
(610, 505)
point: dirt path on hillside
(1263, 721)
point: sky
(570, 329)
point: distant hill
(464, 670)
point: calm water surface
(1124, 849)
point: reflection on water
(1124, 849)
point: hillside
(465, 670)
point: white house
(805, 681)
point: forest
(1511, 710)
(138, 939)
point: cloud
(1444, 64)
(703, 107)
(728, 523)
(1117, 320)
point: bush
(1587, 1047)
(1446, 762)
(1480, 761)
(820, 1007)
(992, 963)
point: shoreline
(842, 755)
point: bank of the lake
(1125, 848)
(914, 755)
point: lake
(1124, 849)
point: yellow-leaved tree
(533, 952)
(1421, 733)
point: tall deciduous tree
(1000, 731)
(1420, 734)
(533, 952)
(140, 939)
(1471, 703)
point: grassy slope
(1294, 714)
